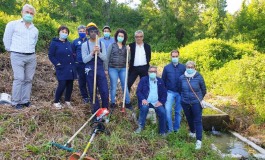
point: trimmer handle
(64, 147)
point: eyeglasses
(139, 36)
(152, 71)
(190, 67)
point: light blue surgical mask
(190, 70)
(152, 76)
(82, 35)
(106, 34)
(28, 17)
(175, 60)
(63, 35)
(120, 39)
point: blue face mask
(120, 39)
(152, 75)
(190, 70)
(82, 35)
(28, 17)
(106, 34)
(63, 35)
(175, 60)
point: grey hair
(81, 27)
(139, 31)
(152, 67)
(30, 7)
(191, 63)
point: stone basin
(216, 119)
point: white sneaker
(198, 145)
(68, 104)
(192, 135)
(58, 105)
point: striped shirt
(19, 38)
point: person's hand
(158, 104)
(106, 73)
(144, 102)
(96, 50)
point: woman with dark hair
(61, 56)
(115, 66)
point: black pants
(134, 72)
(66, 85)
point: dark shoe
(18, 106)
(129, 106)
(86, 100)
(26, 104)
(112, 105)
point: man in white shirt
(20, 39)
(140, 58)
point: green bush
(244, 79)
(47, 29)
(4, 19)
(210, 54)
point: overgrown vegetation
(167, 24)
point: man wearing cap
(140, 58)
(20, 39)
(80, 65)
(106, 39)
(89, 50)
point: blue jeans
(193, 115)
(160, 112)
(114, 74)
(173, 98)
(80, 67)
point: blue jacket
(61, 53)
(198, 85)
(76, 47)
(171, 74)
(143, 90)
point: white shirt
(140, 56)
(19, 38)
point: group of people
(180, 86)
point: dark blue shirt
(171, 74)
(76, 47)
(61, 56)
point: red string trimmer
(97, 126)
(100, 113)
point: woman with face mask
(61, 56)
(115, 66)
(192, 89)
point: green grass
(38, 129)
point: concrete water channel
(228, 143)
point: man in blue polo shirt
(106, 39)
(80, 65)
(170, 76)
